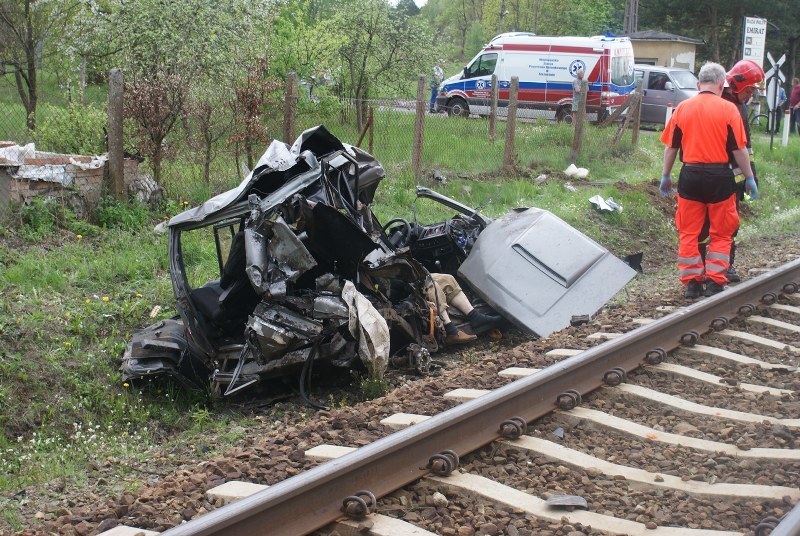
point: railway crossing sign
(774, 78)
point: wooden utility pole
(630, 23)
(116, 168)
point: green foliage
(78, 129)
(111, 213)
(40, 217)
(372, 388)
(475, 39)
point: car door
(657, 93)
(478, 82)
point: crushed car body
(307, 274)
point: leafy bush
(111, 213)
(40, 217)
(76, 129)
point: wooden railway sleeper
(513, 428)
(444, 463)
(615, 376)
(655, 356)
(569, 399)
(355, 507)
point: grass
(71, 292)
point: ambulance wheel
(458, 107)
(564, 114)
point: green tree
(169, 48)
(24, 25)
(379, 46)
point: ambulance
(546, 67)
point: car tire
(564, 114)
(457, 107)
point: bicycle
(759, 123)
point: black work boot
(713, 288)
(694, 289)
(733, 277)
(480, 321)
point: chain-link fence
(204, 154)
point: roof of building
(653, 35)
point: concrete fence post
(116, 167)
(511, 124)
(493, 110)
(290, 108)
(419, 128)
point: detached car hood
(539, 272)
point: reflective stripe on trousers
(689, 219)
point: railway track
(686, 424)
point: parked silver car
(662, 86)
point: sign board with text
(754, 37)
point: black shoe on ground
(733, 277)
(712, 288)
(694, 289)
(481, 322)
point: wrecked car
(307, 274)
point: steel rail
(314, 498)
(789, 525)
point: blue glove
(666, 185)
(751, 188)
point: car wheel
(564, 114)
(458, 107)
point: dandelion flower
(126, 384)
(88, 300)
(138, 295)
(78, 236)
(105, 298)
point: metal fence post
(511, 123)
(580, 120)
(116, 167)
(493, 110)
(290, 108)
(419, 127)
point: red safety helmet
(744, 74)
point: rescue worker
(444, 291)
(706, 130)
(740, 82)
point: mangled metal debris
(308, 275)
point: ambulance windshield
(622, 68)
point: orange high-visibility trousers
(689, 219)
